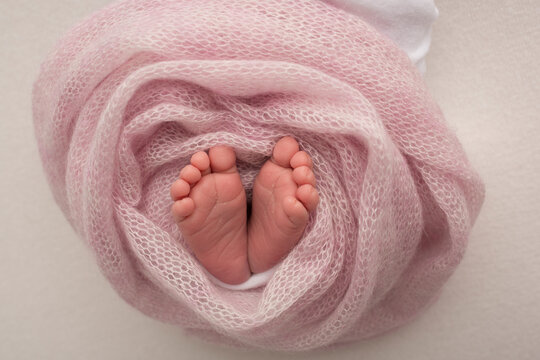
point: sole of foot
(284, 194)
(211, 212)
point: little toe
(179, 189)
(190, 174)
(183, 208)
(222, 159)
(295, 211)
(284, 150)
(308, 195)
(301, 158)
(303, 175)
(201, 161)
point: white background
(484, 71)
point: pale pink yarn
(133, 91)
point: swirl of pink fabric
(134, 90)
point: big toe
(284, 150)
(222, 159)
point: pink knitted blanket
(134, 90)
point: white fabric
(253, 282)
(408, 23)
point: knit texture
(135, 89)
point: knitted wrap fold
(135, 89)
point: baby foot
(283, 195)
(210, 210)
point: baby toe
(183, 208)
(303, 175)
(308, 195)
(179, 189)
(295, 211)
(190, 174)
(301, 158)
(284, 150)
